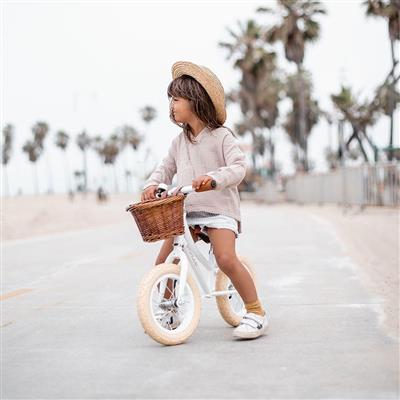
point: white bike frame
(190, 257)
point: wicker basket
(159, 219)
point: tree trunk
(35, 178)
(353, 136)
(373, 147)
(340, 141)
(85, 173)
(115, 178)
(361, 146)
(272, 154)
(6, 184)
(51, 188)
(390, 155)
(306, 164)
(126, 164)
(67, 179)
(302, 114)
(253, 157)
(127, 181)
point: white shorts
(217, 221)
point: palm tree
(292, 124)
(108, 151)
(78, 174)
(269, 94)
(40, 131)
(61, 141)
(83, 141)
(97, 144)
(389, 98)
(360, 115)
(33, 150)
(148, 113)
(260, 85)
(128, 177)
(242, 49)
(390, 10)
(259, 145)
(332, 156)
(296, 28)
(129, 137)
(8, 137)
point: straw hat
(208, 80)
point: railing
(363, 185)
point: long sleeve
(165, 170)
(235, 170)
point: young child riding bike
(205, 150)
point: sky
(91, 65)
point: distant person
(205, 150)
(71, 195)
(101, 195)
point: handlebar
(210, 185)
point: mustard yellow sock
(255, 307)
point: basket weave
(159, 219)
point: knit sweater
(215, 153)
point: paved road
(69, 327)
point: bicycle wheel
(231, 307)
(158, 312)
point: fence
(363, 185)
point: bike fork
(177, 253)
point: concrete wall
(362, 185)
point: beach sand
(31, 216)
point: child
(203, 151)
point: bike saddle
(201, 235)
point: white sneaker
(251, 326)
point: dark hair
(200, 103)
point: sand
(31, 216)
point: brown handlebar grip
(210, 185)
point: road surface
(69, 325)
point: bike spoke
(163, 307)
(169, 290)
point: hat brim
(208, 80)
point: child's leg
(166, 248)
(223, 242)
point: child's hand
(200, 181)
(149, 193)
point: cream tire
(231, 307)
(145, 307)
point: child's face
(180, 107)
